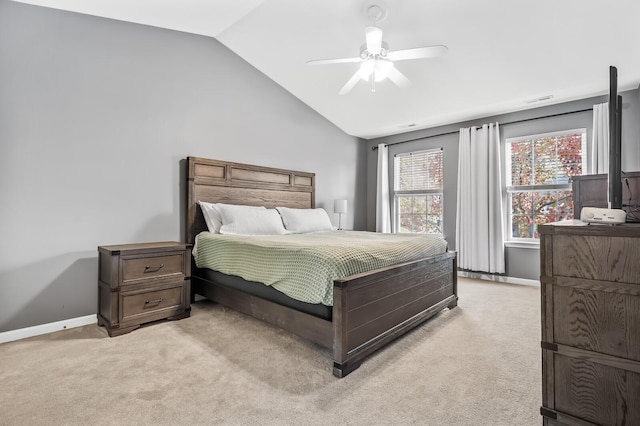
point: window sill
(523, 244)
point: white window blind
(418, 192)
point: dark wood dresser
(140, 283)
(590, 285)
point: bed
(369, 309)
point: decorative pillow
(239, 220)
(305, 220)
(212, 216)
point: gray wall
(521, 262)
(95, 118)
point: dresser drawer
(596, 258)
(140, 303)
(135, 269)
(598, 321)
(596, 393)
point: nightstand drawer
(150, 302)
(141, 268)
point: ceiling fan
(376, 60)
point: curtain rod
(504, 124)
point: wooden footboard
(372, 309)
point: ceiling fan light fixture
(366, 69)
(382, 69)
(379, 68)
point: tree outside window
(418, 192)
(539, 169)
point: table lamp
(340, 206)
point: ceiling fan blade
(373, 35)
(333, 61)
(418, 53)
(350, 84)
(398, 78)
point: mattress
(203, 278)
(304, 266)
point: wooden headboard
(236, 183)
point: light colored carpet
(478, 364)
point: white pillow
(212, 215)
(239, 220)
(305, 220)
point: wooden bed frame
(369, 309)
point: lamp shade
(340, 206)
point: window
(418, 192)
(538, 171)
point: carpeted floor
(478, 364)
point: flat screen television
(615, 142)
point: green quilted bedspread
(303, 266)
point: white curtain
(479, 219)
(383, 216)
(599, 147)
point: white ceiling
(501, 52)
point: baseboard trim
(499, 278)
(37, 330)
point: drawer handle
(153, 268)
(154, 302)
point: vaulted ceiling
(503, 55)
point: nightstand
(140, 283)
